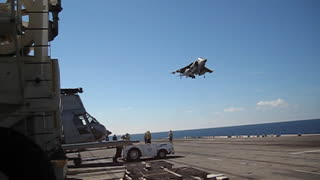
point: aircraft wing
(204, 70)
(182, 70)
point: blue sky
(266, 57)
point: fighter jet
(195, 68)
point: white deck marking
(308, 172)
(303, 152)
(214, 159)
(249, 164)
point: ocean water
(291, 127)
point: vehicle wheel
(162, 154)
(21, 158)
(134, 155)
(77, 161)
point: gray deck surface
(296, 157)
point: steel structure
(30, 125)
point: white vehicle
(134, 152)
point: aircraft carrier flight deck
(285, 157)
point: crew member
(170, 136)
(147, 137)
(126, 137)
(114, 138)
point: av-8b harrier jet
(195, 68)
